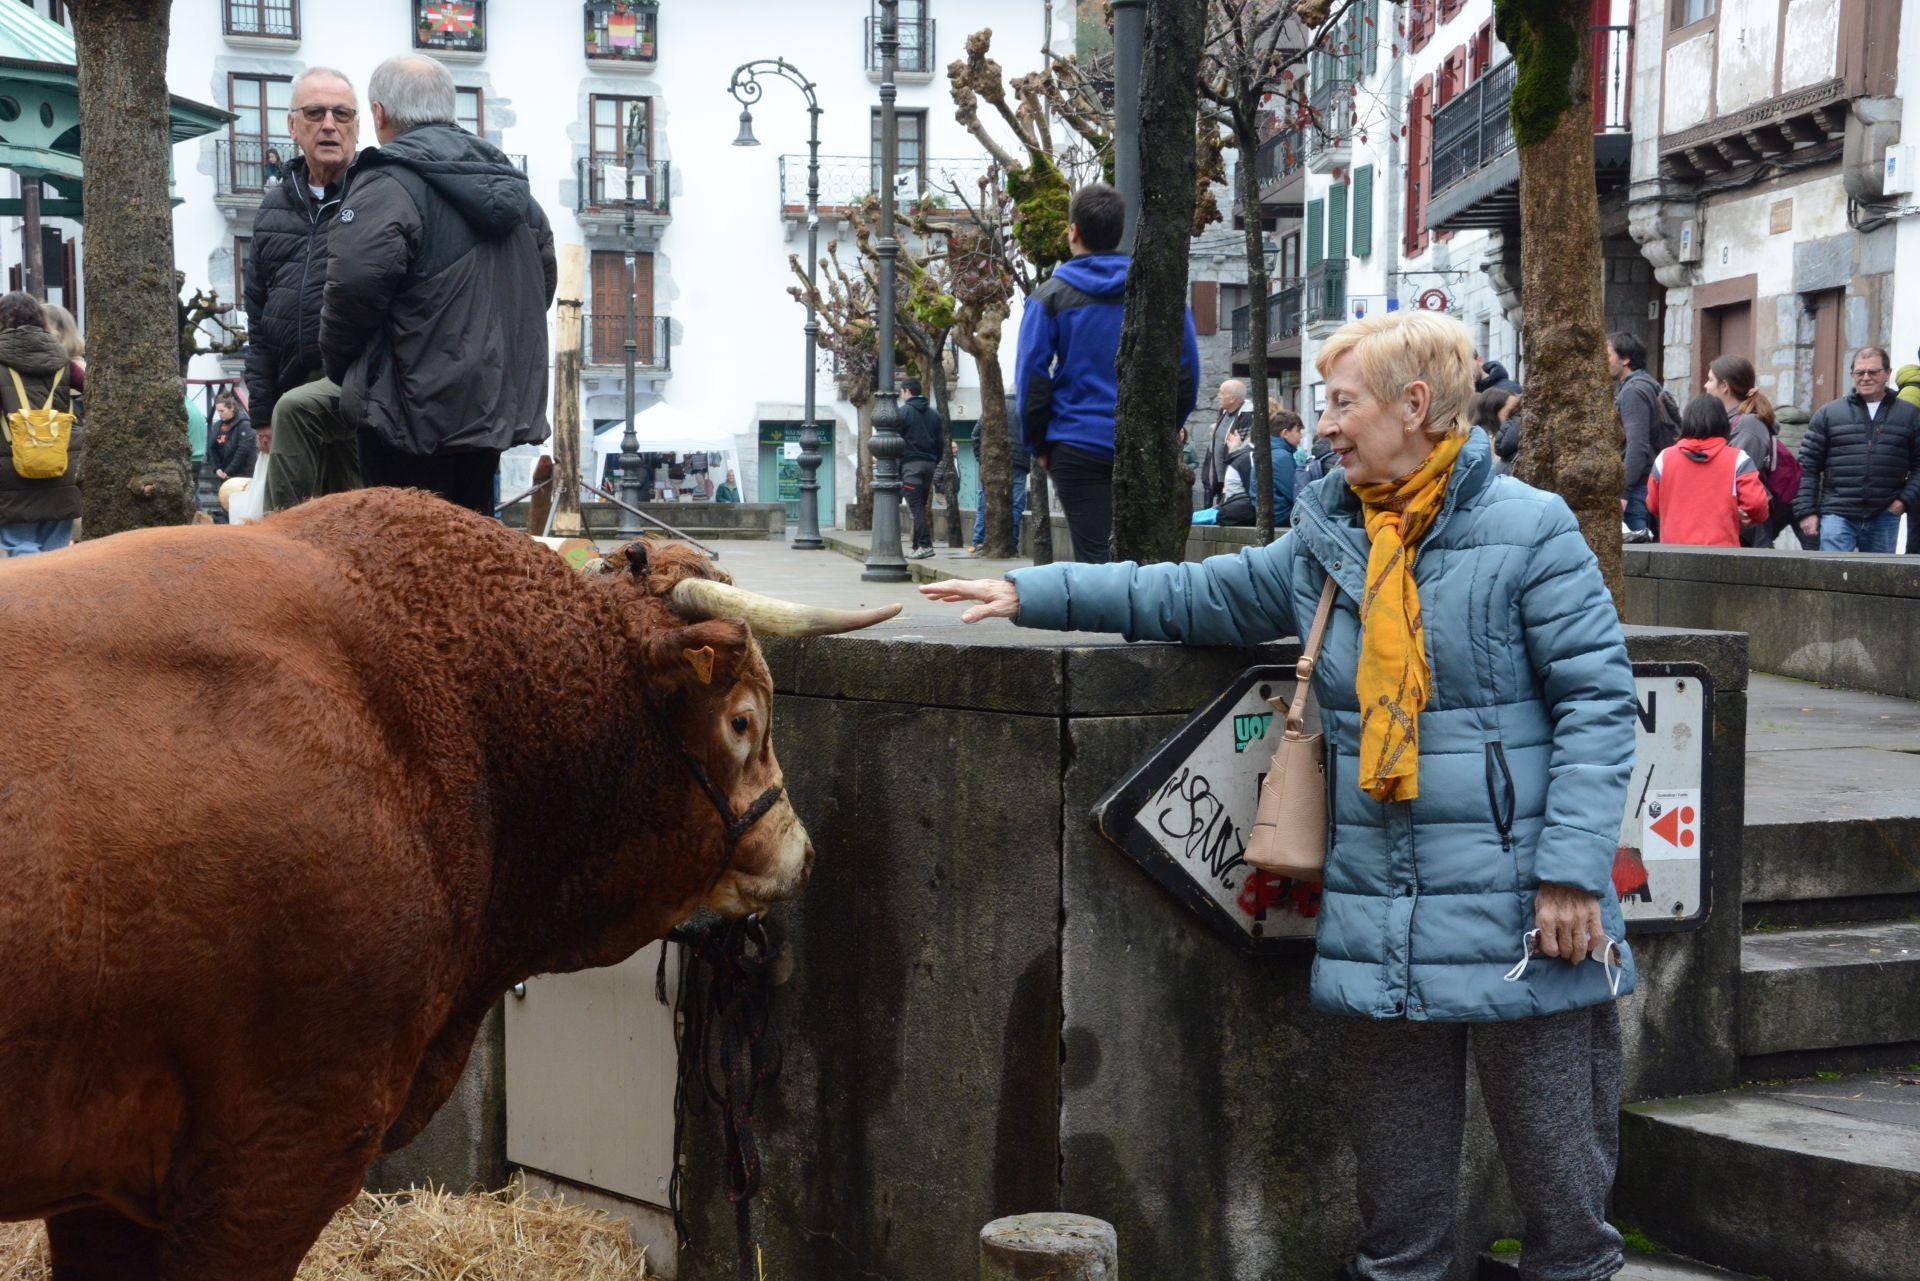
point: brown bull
(285, 809)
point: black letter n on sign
(1650, 710)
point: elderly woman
(1479, 706)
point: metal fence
(606, 339)
(241, 167)
(916, 45)
(1474, 129)
(845, 181)
(1612, 79)
(450, 27)
(1331, 103)
(1326, 293)
(1279, 158)
(1283, 315)
(603, 184)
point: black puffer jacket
(435, 320)
(1855, 467)
(286, 279)
(240, 452)
(36, 356)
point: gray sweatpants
(1552, 1089)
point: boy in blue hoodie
(1065, 377)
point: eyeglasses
(345, 115)
(1869, 373)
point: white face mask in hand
(1608, 956)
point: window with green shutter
(1363, 211)
(1316, 218)
(1337, 222)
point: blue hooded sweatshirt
(1065, 377)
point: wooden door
(607, 343)
(1830, 380)
(1722, 331)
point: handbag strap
(1309, 657)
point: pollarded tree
(1573, 435)
(135, 470)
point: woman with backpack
(1753, 429)
(1703, 489)
(36, 512)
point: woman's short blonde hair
(1401, 347)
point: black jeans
(464, 479)
(1084, 483)
(916, 482)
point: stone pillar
(1056, 1247)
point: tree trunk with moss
(1572, 427)
(135, 470)
(1150, 514)
(978, 331)
(1246, 137)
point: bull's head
(721, 706)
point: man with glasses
(308, 450)
(1860, 464)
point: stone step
(1639, 1267)
(1830, 988)
(1832, 804)
(1807, 1181)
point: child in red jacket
(1703, 490)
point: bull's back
(199, 823)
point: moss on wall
(1544, 36)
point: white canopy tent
(665, 429)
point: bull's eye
(741, 724)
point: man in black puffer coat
(435, 320)
(297, 406)
(1860, 464)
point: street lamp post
(629, 440)
(746, 89)
(885, 564)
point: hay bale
(430, 1236)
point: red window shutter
(1420, 165)
(1206, 307)
(1480, 51)
(1423, 157)
(1419, 23)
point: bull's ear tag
(702, 661)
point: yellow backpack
(39, 437)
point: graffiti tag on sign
(1184, 812)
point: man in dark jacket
(1235, 415)
(926, 445)
(1860, 464)
(312, 452)
(1065, 375)
(1022, 463)
(435, 319)
(1645, 418)
(1489, 374)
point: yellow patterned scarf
(1394, 680)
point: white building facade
(551, 82)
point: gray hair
(414, 91)
(311, 72)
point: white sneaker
(922, 553)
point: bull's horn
(697, 598)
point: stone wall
(1846, 620)
(991, 1010)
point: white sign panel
(1184, 812)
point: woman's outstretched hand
(998, 598)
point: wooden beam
(1736, 150)
(566, 393)
(1707, 160)
(1679, 166)
(1768, 140)
(1798, 129)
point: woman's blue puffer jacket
(1525, 745)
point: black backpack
(1666, 421)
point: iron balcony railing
(1613, 79)
(606, 339)
(272, 19)
(845, 181)
(1283, 315)
(1279, 158)
(1326, 294)
(1331, 128)
(916, 45)
(622, 30)
(453, 26)
(241, 167)
(1474, 129)
(603, 185)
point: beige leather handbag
(1289, 836)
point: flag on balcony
(623, 27)
(451, 17)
